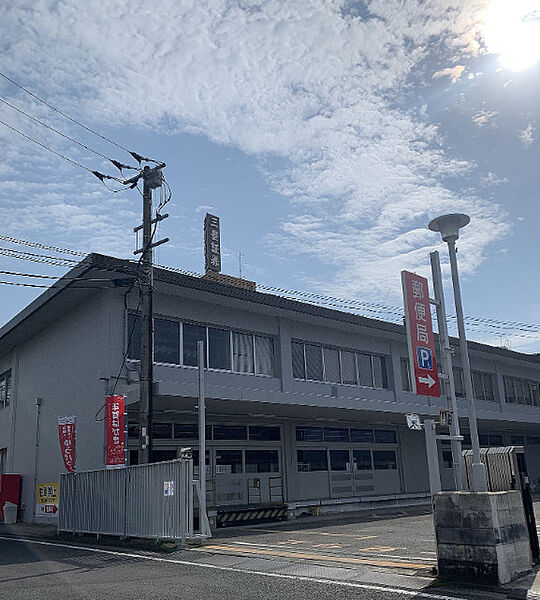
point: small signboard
(168, 488)
(413, 422)
(47, 499)
(420, 338)
(212, 243)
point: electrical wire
(70, 160)
(135, 155)
(33, 254)
(64, 114)
(8, 238)
(67, 137)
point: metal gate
(148, 501)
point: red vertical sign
(115, 431)
(420, 336)
(66, 434)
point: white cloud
(306, 82)
(454, 73)
(527, 136)
(485, 118)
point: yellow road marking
(329, 558)
(326, 545)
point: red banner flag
(115, 423)
(66, 434)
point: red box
(10, 489)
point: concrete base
(481, 537)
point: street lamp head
(449, 225)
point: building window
(365, 376)
(362, 436)
(311, 460)
(190, 431)
(134, 336)
(242, 353)
(447, 460)
(298, 366)
(458, 382)
(331, 434)
(191, 334)
(348, 366)
(309, 434)
(332, 365)
(264, 433)
(176, 343)
(219, 348)
(230, 432)
(362, 460)
(517, 440)
(384, 460)
(162, 431)
(5, 389)
(162, 455)
(264, 356)
(339, 460)
(228, 462)
(385, 436)
(166, 341)
(314, 365)
(405, 375)
(521, 391)
(262, 461)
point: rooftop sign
(212, 244)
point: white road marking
(348, 584)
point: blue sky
(325, 134)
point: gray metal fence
(149, 501)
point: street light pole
(449, 226)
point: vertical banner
(115, 423)
(212, 243)
(66, 434)
(420, 337)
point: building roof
(96, 272)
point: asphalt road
(60, 571)
(358, 556)
(402, 540)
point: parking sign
(420, 338)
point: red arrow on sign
(51, 508)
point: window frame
(129, 345)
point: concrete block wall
(481, 536)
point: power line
(135, 155)
(390, 312)
(101, 176)
(71, 260)
(8, 238)
(73, 162)
(117, 164)
(64, 114)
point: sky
(325, 134)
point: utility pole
(152, 179)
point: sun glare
(512, 30)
